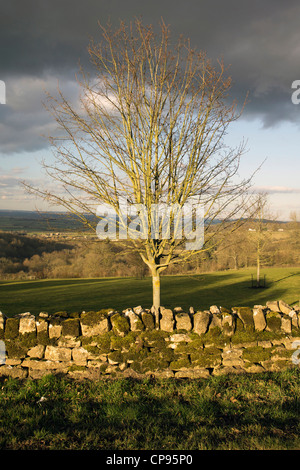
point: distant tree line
(25, 257)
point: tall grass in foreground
(227, 412)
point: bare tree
(260, 237)
(150, 130)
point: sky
(42, 42)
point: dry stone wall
(138, 342)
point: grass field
(227, 289)
(246, 412)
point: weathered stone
(54, 353)
(246, 316)
(225, 370)
(259, 319)
(68, 342)
(44, 315)
(232, 357)
(284, 307)
(136, 323)
(36, 351)
(16, 372)
(216, 322)
(214, 309)
(54, 331)
(286, 324)
(94, 323)
(228, 324)
(201, 322)
(183, 321)
(79, 356)
(155, 313)
(167, 319)
(138, 310)
(11, 328)
(273, 321)
(179, 337)
(192, 374)
(273, 306)
(264, 344)
(148, 320)
(70, 328)
(27, 323)
(295, 318)
(120, 324)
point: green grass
(227, 288)
(246, 412)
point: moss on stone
(76, 368)
(181, 363)
(15, 350)
(103, 367)
(28, 340)
(135, 355)
(273, 321)
(256, 354)
(61, 314)
(208, 357)
(246, 316)
(12, 328)
(118, 342)
(120, 324)
(148, 320)
(115, 357)
(152, 363)
(71, 327)
(102, 342)
(92, 318)
(55, 321)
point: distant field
(227, 288)
(30, 221)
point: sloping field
(226, 288)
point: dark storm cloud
(41, 40)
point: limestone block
(259, 319)
(214, 309)
(120, 324)
(201, 322)
(94, 323)
(36, 351)
(273, 306)
(286, 324)
(136, 323)
(54, 353)
(284, 307)
(79, 356)
(228, 324)
(167, 319)
(148, 320)
(183, 321)
(54, 331)
(27, 323)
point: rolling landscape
(149, 230)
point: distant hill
(32, 221)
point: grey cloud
(43, 40)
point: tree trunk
(156, 289)
(258, 270)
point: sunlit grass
(226, 288)
(246, 412)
